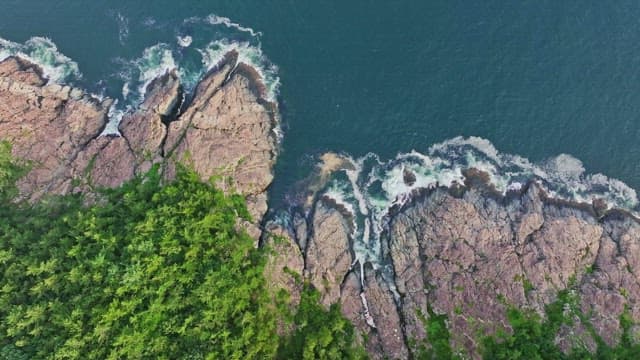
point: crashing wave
(155, 62)
(115, 115)
(55, 66)
(369, 188)
(249, 55)
(191, 59)
(184, 41)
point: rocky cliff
(469, 253)
(225, 128)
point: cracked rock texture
(469, 253)
(227, 130)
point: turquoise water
(535, 78)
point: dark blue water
(536, 78)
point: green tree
(319, 333)
(149, 271)
(11, 171)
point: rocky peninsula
(465, 251)
(225, 128)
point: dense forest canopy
(160, 270)
(148, 270)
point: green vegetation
(10, 172)
(438, 344)
(149, 271)
(534, 338)
(319, 334)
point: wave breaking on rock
(454, 228)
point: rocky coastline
(470, 253)
(465, 251)
(225, 129)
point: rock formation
(227, 130)
(470, 253)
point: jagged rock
(459, 255)
(45, 126)
(562, 249)
(163, 94)
(614, 281)
(107, 161)
(408, 177)
(284, 268)
(353, 309)
(382, 309)
(384, 338)
(17, 70)
(328, 256)
(455, 254)
(470, 254)
(228, 130)
(144, 129)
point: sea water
(430, 86)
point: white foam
(41, 51)
(149, 21)
(480, 144)
(184, 41)
(367, 315)
(125, 90)
(374, 187)
(115, 115)
(564, 166)
(248, 54)
(123, 27)
(339, 195)
(214, 19)
(156, 61)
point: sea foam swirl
(42, 51)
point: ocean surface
(534, 78)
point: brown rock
(382, 309)
(285, 266)
(328, 256)
(45, 126)
(471, 256)
(227, 130)
(352, 308)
